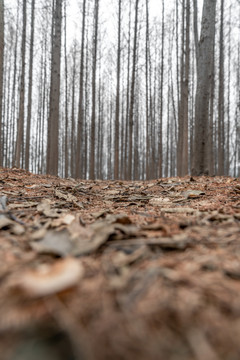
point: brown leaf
(179, 210)
(45, 208)
(68, 197)
(193, 194)
(65, 219)
(27, 204)
(51, 279)
(14, 227)
(160, 201)
(54, 242)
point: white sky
(107, 9)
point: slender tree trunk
(184, 161)
(94, 71)
(227, 170)
(147, 92)
(127, 95)
(221, 130)
(195, 24)
(204, 76)
(21, 113)
(211, 142)
(66, 149)
(132, 96)
(86, 129)
(160, 140)
(53, 120)
(237, 116)
(73, 137)
(117, 134)
(168, 127)
(182, 165)
(79, 157)
(30, 83)
(1, 76)
(181, 97)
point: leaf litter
(119, 270)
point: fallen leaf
(38, 234)
(54, 242)
(99, 214)
(50, 279)
(193, 194)
(118, 218)
(68, 197)
(8, 224)
(22, 205)
(112, 192)
(123, 259)
(179, 210)
(65, 219)
(160, 201)
(45, 208)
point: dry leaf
(50, 279)
(193, 194)
(54, 242)
(179, 210)
(65, 219)
(22, 205)
(68, 197)
(45, 208)
(14, 227)
(122, 259)
(160, 201)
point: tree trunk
(94, 71)
(132, 96)
(126, 152)
(53, 120)
(79, 157)
(182, 163)
(147, 93)
(66, 149)
(30, 83)
(1, 75)
(73, 135)
(117, 134)
(160, 139)
(221, 130)
(21, 113)
(204, 76)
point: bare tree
(221, 135)
(1, 74)
(30, 86)
(182, 158)
(160, 135)
(73, 126)
(94, 71)
(204, 75)
(21, 112)
(117, 115)
(127, 93)
(79, 157)
(132, 96)
(53, 120)
(66, 148)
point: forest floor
(108, 270)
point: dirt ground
(110, 270)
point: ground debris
(119, 270)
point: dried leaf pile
(98, 270)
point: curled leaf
(51, 279)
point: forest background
(111, 89)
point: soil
(98, 270)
